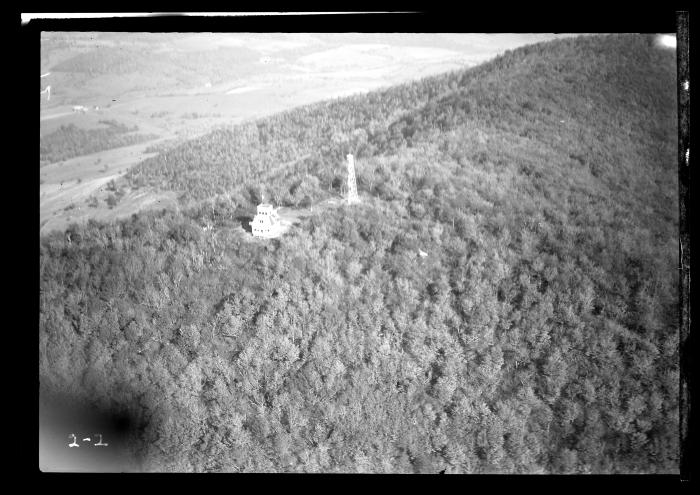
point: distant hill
(539, 334)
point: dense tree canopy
(539, 334)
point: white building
(266, 222)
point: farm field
(67, 188)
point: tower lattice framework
(352, 185)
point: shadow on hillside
(245, 222)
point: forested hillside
(538, 335)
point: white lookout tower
(266, 222)
(352, 185)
